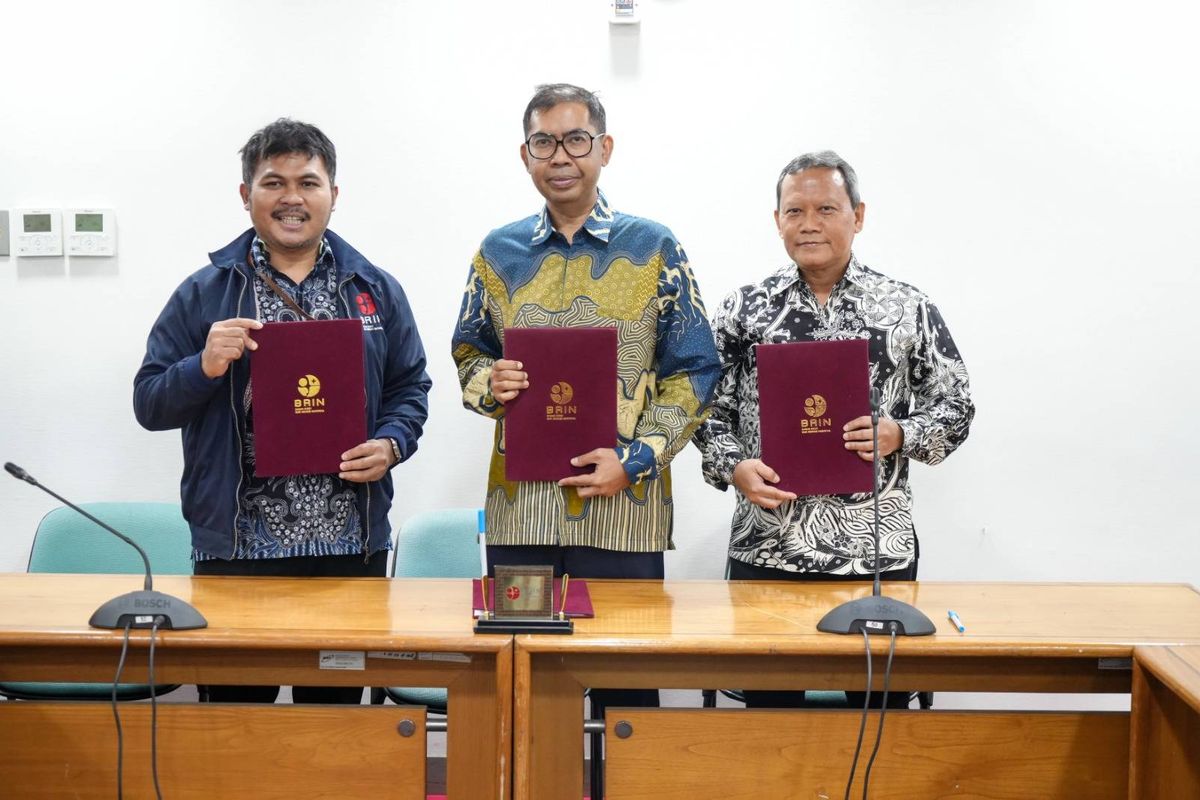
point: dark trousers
(770, 698)
(304, 567)
(589, 562)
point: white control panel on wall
(37, 232)
(91, 232)
(624, 12)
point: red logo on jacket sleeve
(365, 303)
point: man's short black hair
(285, 136)
(549, 95)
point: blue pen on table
(954, 619)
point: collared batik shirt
(622, 272)
(913, 362)
(298, 515)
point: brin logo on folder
(309, 396)
(560, 408)
(309, 387)
(570, 407)
(806, 392)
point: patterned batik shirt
(622, 272)
(297, 515)
(915, 365)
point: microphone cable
(158, 620)
(863, 725)
(887, 676)
(116, 713)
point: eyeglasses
(577, 144)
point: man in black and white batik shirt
(926, 411)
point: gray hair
(549, 95)
(823, 159)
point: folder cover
(309, 398)
(806, 392)
(570, 406)
(579, 599)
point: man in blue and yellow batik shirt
(579, 263)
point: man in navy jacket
(195, 377)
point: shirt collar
(262, 258)
(788, 276)
(598, 223)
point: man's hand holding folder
(227, 341)
(754, 480)
(508, 379)
(608, 478)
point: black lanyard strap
(274, 287)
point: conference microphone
(876, 614)
(876, 399)
(136, 609)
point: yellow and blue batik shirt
(622, 272)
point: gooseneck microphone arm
(876, 396)
(876, 613)
(144, 609)
(17, 472)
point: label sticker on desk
(394, 655)
(409, 655)
(342, 659)
(461, 658)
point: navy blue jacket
(171, 391)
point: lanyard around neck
(274, 287)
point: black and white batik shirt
(914, 363)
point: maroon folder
(806, 392)
(570, 406)
(579, 599)
(309, 404)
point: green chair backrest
(67, 541)
(438, 544)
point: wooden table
(1020, 637)
(260, 631)
(1165, 733)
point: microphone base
(139, 609)
(875, 614)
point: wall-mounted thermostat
(91, 231)
(36, 232)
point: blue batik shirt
(618, 271)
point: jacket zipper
(366, 523)
(237, 434)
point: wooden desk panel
(270, 630)
(1165, 726)
(206, 751)
(708, 634)
(781, 754)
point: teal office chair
(66, 541)
(435, 544)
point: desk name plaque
(520, 599)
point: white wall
(1031, 165)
